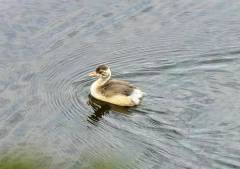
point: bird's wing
(114, 87)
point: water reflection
(102, 108)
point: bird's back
(116, 87)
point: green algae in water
(103, 163)
(36, 160)
(24, 160)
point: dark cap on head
(101, 68)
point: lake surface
(184, 54)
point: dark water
(184, 54)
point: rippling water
(185, 55)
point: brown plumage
(113, 87)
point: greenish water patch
(25, 160)
(31, 159)
(110, 161)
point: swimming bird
(113, 91)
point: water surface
(183, 54)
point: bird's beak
(93, 74)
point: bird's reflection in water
(101, 108)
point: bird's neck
(102, 81)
